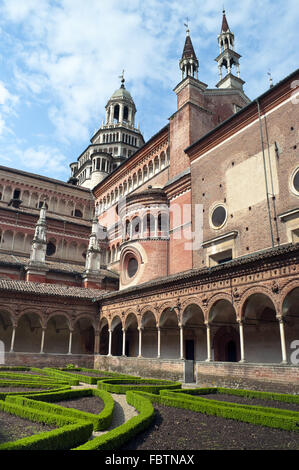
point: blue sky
(60, 62)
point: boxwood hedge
(118, 436)
(123, 385)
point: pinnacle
(188, 49)
(224, 27)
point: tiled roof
(71, 268)
(268, 255)
(49, 289)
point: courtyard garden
(85, 409)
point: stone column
(124, 341)
(241, 331)
(110, 342)
(159, 343)
(156, 226)
(42, 341)
(208, 343)
(282, 340)
(140, 341)
(97, 342)
(13, 338)
(70, 342)
(181, 342)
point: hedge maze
(32, 393)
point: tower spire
(188, 63)
(224, 26)
(228, 58)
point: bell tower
(228, 58)
(188, 63)
(115, 141)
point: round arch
(290, 315)
(116, 327)
(104, 336)
(261, 328)
(57, 334)
(132, 335)
(83, 335)
(28, 333)
(169, 333)
(149, 334)
(195, 338)
(6, 328)
(222, 319)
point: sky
(60, 61)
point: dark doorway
(231, 351)
(189, 348)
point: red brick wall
(209, 182)
(261, 372)
(180, 258)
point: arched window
(51, 249)
(126, 113)
(78, 213)
(116, 112)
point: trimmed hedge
(123, 385)
(283, 397)
(53, 388)
(60, 376)
(35, 402)
(263, 416)
(92, 380)
(63, 438)
(117, 437)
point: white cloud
(69, 54)
(7, 105)
(41, 160)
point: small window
(16, 194)
(51, 249)
(78, 213)
(296, 180)
(220, 258)
(132, 267)
(126, 113)
(218, 217)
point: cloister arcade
(57, 334)
(257, 328)
(18, 241)
(56, 202)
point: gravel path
(122, 410)
(122, 413)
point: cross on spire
(122, 77)
(187, 26)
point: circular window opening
(51, 249)
(132, 267)
(218, 216)
(296, 181)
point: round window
(132, 267)
(296, 180)
(218, 216)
